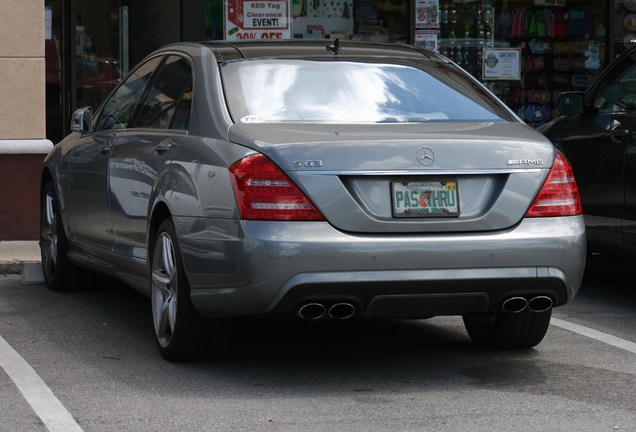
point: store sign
(501, 64)
(427, 14)
(426, 38)
(270, 19)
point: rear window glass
(274, 91)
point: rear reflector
(559, 195)
(264, 192)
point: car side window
(617, 92)
(119, 108)
(169, 98)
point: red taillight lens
(559, 195)
(264, 192)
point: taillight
(264, 192)
(559, 195)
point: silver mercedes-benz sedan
(323, 180)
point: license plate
(425, 198)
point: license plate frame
(409, 195)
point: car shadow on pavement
(115, 324)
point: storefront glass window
(99, 48)
(562, 47)
(375, 20)
(562, 44)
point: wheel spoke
(50, 210)
(167, 255)
(166, 319)
(161, 282)
(171, 312)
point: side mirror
(571, 104)
(82, 120)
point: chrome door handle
(620, 132)
(617, 135)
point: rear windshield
(275, 91)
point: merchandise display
(465, 29)
(541, 47)
(562, 49)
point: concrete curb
(14, 255)
(14, 267)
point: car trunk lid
(364, 178)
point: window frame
(135, 119)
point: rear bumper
(240, 268)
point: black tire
(181, 332)
(509, 331)
(57, 269)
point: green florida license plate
(425, 198)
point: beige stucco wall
(22, 70)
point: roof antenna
(334, 48)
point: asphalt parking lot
(94, 354)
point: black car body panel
(601, 146)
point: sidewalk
(15, 254)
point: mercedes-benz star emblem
(425, 156)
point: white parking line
(50, 410)
(595, 334)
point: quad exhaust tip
(314, 311)
(519, 304)
(514, 305)
(342, 311)
(540, 303)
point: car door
(88, 165)
(142, 152)
(600, 146)
(88, 193)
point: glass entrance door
(86, 53)
(100, 49)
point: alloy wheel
(164, 289)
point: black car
(596, 133)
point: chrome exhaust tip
(514, 305)
(540, 303)
(312, 311)
(342, 311)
